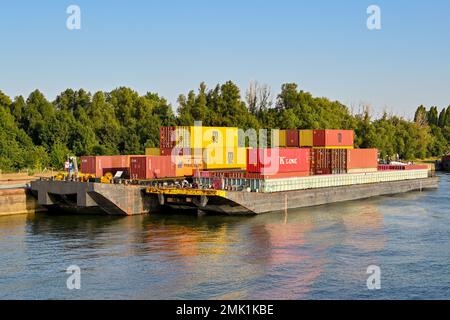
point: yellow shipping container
(188, 164)
(152, 152)
(202, 137)
(282, 138)
(306, 138)
(224, 158)
(214, 137)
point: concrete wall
(18, 201)
(114, 199)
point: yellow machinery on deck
(185, 192)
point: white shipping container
(319, 181)
(325, 181)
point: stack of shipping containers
(98, 166)
(217, 147)
(186, 151)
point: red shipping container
(362, 158)
(292, 136)
(154, 167)
(100, 165)
(171, 137)
(321, 163)
(278, 160)
(329, 161)
(416, 167)
(333, 138)
(165, 137)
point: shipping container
(417, 167)
(157, 167)
(223, 158)
(333, 138)
(306, 138)
(326, 181)
(321, 163)
(174, 137)
(278, 160)
(198, 137)
(338, 161)
(292, 137)
(152, 152)
(282, 138)
(362, 158)
(328, 161)
(100, 165)
(362, 170)
(215, 137)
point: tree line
(36, 133)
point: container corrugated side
(306, 138)
(278, 160)
(174, 137)
(282, 138)
(152, 152)
(156, 167)
(100, 165)
(292, 137)
(362, 158)
(224, 158)
(333, 138)
(88, 165)
(214, 137)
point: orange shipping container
(362, 158)
(158, 167)
(333, 138)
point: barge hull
(279, 201)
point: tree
(432, 116)
(442, 118)
(420, 117)
(5, 101)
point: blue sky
(171, 46)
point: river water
(314, 253)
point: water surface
(311, 253)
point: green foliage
(36, 133)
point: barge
(236, 197)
